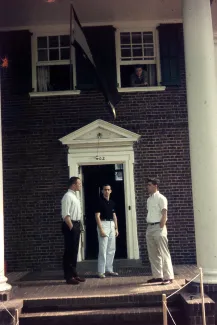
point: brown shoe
(72, 281)
(165, 282)
(80, 279)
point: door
(94, 177)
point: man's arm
(99, 224)
(163, 218)
(163, 206)
(66, 204)
(116, 224)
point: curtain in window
(43, 76)
(151, 71)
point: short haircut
(138, 66)
(73, 180)
(153, 180)
(106, 185)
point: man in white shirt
(156, 235)
(71, 227)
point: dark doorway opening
(94, 177)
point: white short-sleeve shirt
(155, 204)
(71, 206)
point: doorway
(94, 177)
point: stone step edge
(110, 312)
(83, 302)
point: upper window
(53, 71)
(136, 59)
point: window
(53, 64)
(136, 59)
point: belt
(154, 223)
(76, 221)
(107, 219)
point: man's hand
(102, 233)
(162, 224)
(116, 233)
(146, 84)
(70, 228)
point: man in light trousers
(107, 229)
(156, 235)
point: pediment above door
(100, 133)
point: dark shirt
(105, 208)
(136, 81)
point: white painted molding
(111, 136)
(95, 153)
(55, 93)
(62, 28)
(141, 89)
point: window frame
(34, 47)
(156, 61)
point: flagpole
(71, 66)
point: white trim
(155, 60)
(35, 63)
(55, 93)
(114, 150)
(141, 89)
(158, 61)
(62, 28)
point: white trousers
(107, 247)
(158, 252)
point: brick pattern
(193, 309)
(36, 171)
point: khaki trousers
(158, 252)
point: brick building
(51, 132)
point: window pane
(125, 38)
(60, 77)
(53, 55)
(136, 38)
(53, 41)
(65, 54)
(137, 51)
(53, 78)
(42, 42)
(42, 55)
(128, 73)
(148, 38)
(149, 51)
(64, 40)
(125, 51)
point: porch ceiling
(38, 12)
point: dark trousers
(71, 243)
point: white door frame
(78, 158)
(115, 146)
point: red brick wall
(36, 171)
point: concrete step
(114, 316)
(57, 304)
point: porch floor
(50, 284)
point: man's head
(152, 185)
(75, 184)
(138, 70)
(106, 190)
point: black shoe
(79, 279)
(72, 281)
(155, 280)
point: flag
(79, 40)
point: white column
(4, 286)
(202, 118)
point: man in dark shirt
(139, 78)
(107, 228)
